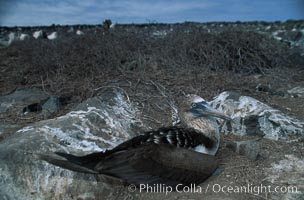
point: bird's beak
(204, 109)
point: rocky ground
(88, 88)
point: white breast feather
(202, 149)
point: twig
(42, 83)
(175, 118)
(151, 119)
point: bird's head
(198, 114)
(197, 107)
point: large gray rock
(79, 32)
(10, 39)
(95, 125)
(7, 129)
(24, 36)
(24, 96)
(39, 34)
(296, 91)
(25, 100)
(252, 117)
(287, 173)
(248, 148)
(51, 106)
(53, 36)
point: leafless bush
(75, 65)
(240, 52)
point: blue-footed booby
(171, 156)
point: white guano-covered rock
(252, 117)
(296, 91)
(11, 38)
(39, 34)
(52, 36)
(79, 32)
(95, 125)
(287, 174)
(24, 36)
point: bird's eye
(193, 105)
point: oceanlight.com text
(216, 188)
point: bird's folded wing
(161, 164)
(66, 161)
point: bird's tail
(83, 164)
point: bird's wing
(161, 164)
(69, 161)
(176, 136)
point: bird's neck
(208, 127)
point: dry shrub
(238, 51)
(75, 65)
